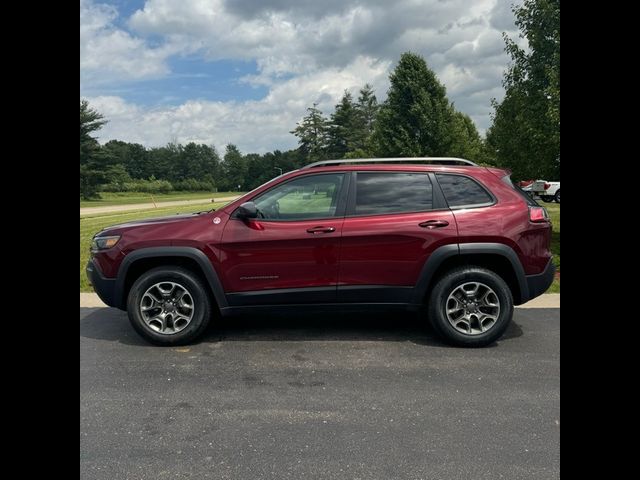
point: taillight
(538, 214)
(546, 186)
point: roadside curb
(548, 300)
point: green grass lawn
(126, 198)
(90, 225)
(554, 213)
(294, 203)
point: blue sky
(243, 71)
(190, 78)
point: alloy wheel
(473, 308)
(167, 307)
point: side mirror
(247, 210)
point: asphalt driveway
(313, 397)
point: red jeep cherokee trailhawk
(444, 236)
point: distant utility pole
(278, 168)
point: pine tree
(415, 120)
(343, 128)
(312, 133)
(235, 168)
(367, 111)
(94, 161)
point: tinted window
(393, 193)
(462, 191)
(305, 198)
(527, 197)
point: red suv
(444, 236)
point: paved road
(310, 397)
(150, 205)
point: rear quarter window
(527, 198)
(461, 191)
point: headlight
(103, 243)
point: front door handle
(434, 224)
(316, 230)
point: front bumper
(538, 284)
(104, 287)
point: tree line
(122, 166)
(416, 119)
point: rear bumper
(104, 287)
(538, 284)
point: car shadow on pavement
(108, 324)
(113, 325)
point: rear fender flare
(446, 251)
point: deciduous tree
(525, 134)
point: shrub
(144, 186)
(193, 185)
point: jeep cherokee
(443, 236)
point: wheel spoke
(487, 320)
(151, 294)
(148, 302)
(490, 299)
(456, 307)
(180, 321)
(471, 289)
(157, 323)
(166, 291)
(464, 320)
(186, 302)
(180, 293)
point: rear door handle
(434, 224)
(316, 230)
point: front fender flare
(158, 252)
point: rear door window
(383, 192)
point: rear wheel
(169, 306)
(547, 198)
(557, 197)
(470, 307)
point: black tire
(557, 196)
(547, 198)
(447, 284)
(202, 309)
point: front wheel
(470, 307)
(169, 306)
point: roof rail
(436, 160)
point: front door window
(305, 198)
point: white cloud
(109, 54)
(255, 126)
(305, 51)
